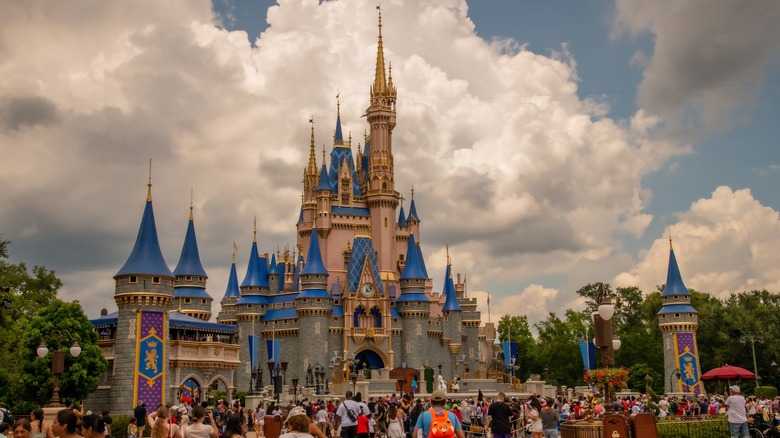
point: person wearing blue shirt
(424, 420)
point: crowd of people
(392, 416)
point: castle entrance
(368, 360)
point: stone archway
(219, 378)
(371, 358)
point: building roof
(413, 212)
(277, 314)
(451, 300)
(338, 137)
(422, 260)
(273, 268)
(394, 313)
(189, 261)
(190, 292)
(677, 308)
(351, 211)
(362, 247)
(146, 257)
(313, 293)
(254, 271)
(253, 299)
(281, 298)
(412, 269)
(674, 282)
(324, 182)
(338, 156)
(413, 296)
(402, 218)
(314, 263)
(176, 320)
(232, 290)
(337, 311)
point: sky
(550, 144)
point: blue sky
(551, 144)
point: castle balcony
(361, 333)
(206, 354)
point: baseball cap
(734, 388)
(438, 396)
(295, 412)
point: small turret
(232, 293)
(190, 290)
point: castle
(361, 299)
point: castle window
(155, 280)
(188, 278)
(676, 315)
(187, 301)
(249, 306)
(319, 300)
(385, 222)
(203, 301)
(133, 279)
(200, 278)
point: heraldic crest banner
(687, 362)
(150, 359)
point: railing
(582, 429)
(215, 354)
(507, 379)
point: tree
(558, 347)
(58, 325)
(517, 329)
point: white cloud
(510, 167)
(724, 244)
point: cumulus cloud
(510, 167)
(707, 59)
(723, 244)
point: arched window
(378, 315)
(359, 311)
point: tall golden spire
(380, 83)
(149, 184)
(312, 156)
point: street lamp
(354, 378)
(284, 372)
(675, 373)
(257, 375)
(295, 389)
(753, 338)
(58, 364)
(604, 338)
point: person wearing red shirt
(362, 425)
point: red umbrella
(727, 372)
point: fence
(694, 427)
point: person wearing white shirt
(737, 415)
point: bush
(711, 427)
(119, 426)
(769, 392)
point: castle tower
(413, 220)
(313, 306)
(412, 305)
(678, 322)
(380, 195)
(471, 319)
(228, 313)
(189, 292)
(451, 313)
(310, 180)
(251, 307)
(143, 294)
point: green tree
(58, 325)
(517, 329)
(558, 347)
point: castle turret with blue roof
(451, 312)
(190, 289)
(313, 304)
(413, 305)
(678, 322)
(227, 314)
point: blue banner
(510, 350)
(253, 351)
(272, 346)
(588, 350)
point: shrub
(769, 392)
(715, 427)
(119, 426)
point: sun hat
(438, 396)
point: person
(549, 417)
(736, 413)
(441, 385)
(233, 427)
(297, 424)
(5, 416)
(499, 417)
(132, 428)
(197, 428)
(362, 425)
(536, 429)
(4, 428)
(438, 398)
(372, 426)
(259, 420)
(455, 384)
(139, 413)
(414, 385)
(37, 424)
(107, 420)
(163, 428)
(342, 418)
(22, 428)
(395, 422)
(64, 426)
(93, 426)
(321, 416)
(78, 410)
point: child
(362, 426)
(132, 428)
(372, 426)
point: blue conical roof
(262, 268)
(674, 282)
(314, 263)
(451, 300)
(273, 268)
(252, 277)
(324, 183)
(412, 269)
(413, 213)
(189, 261)
(339, 138)
(232, 290)
(146, 257)
(422, 261)
(402, 218)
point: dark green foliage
(716, 427)
(769, 392)
(119, 426)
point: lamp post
(604, 338)
(354, 378)
(675, 373)
(58, 364)
(752, 338)
(295, 389)
(284, 365)
(275, 372)
(257, 376)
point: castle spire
(312, 167)
(149, 184)
(189, 261)
(674, 281)
(338, 137)
(451, 299)
(380, 83)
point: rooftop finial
(447, 248)
(312, 155)
(235, 250)
(323, 155)
(149, 185)
(192, 194)
(379, 80)
(254, 231)
(412, 193)
(670, 239)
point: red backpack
(441, 425)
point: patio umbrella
(727, 372)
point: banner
(252, 351)
(150, 359)
(588, 350)
(688, 362)
(272, 346)
(510, 350)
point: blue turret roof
(422, 261)
(451, 300)
(314, 263)
(362, 252)
(232, 290)
(338, 156)
(190, 292)
(339, 138)
(146, 257)
(413, 213)
(402, 218)
(674, 282)
(412, 269)
(273, 269)
(189, 261)
(677, 308)
(324, 183)
(254, 272)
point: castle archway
(371, 358)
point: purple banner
(687, 362)
(150, 359)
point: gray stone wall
(122, 385)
